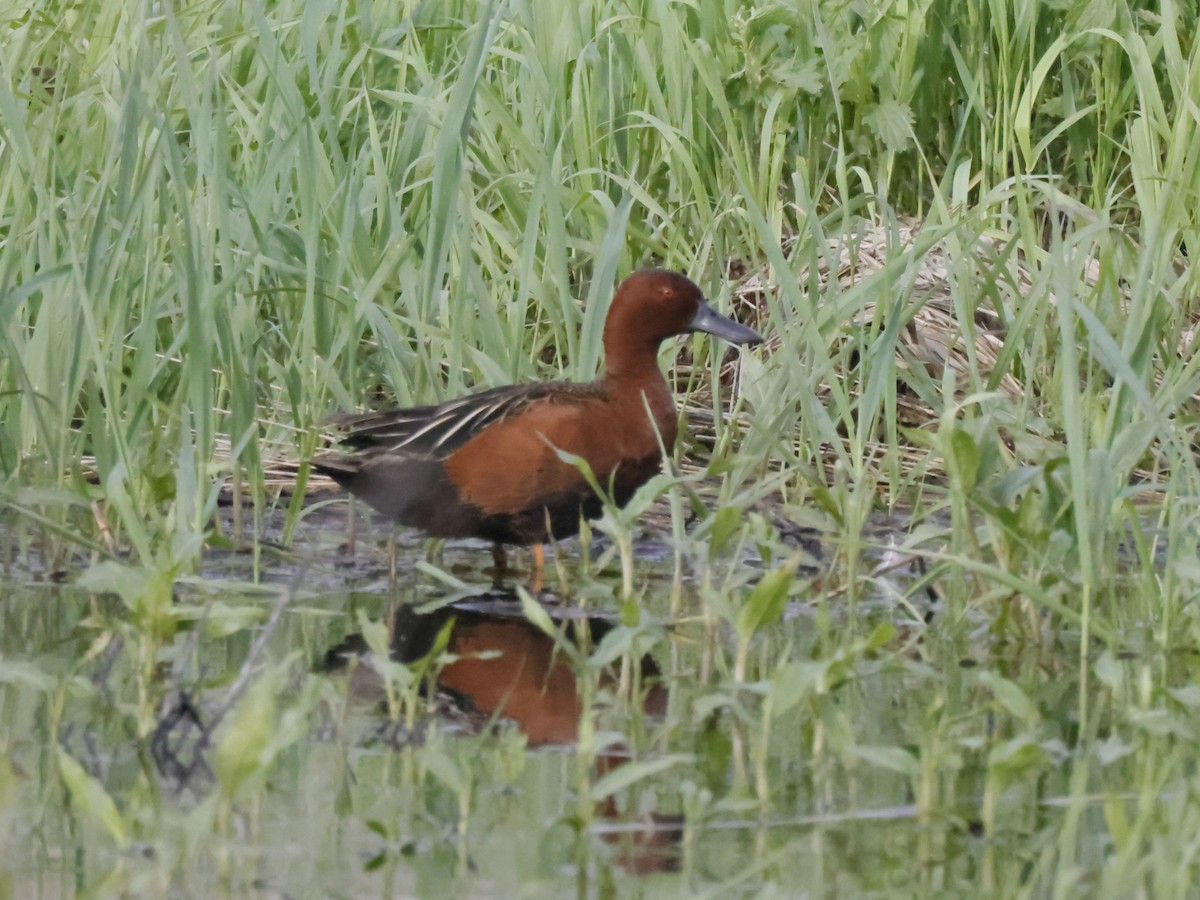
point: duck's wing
(436, 431)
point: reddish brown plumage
(487, 465)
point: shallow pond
(575, 746)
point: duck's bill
(712, 322)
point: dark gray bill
(712, 322)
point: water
(840, 751)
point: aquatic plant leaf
(1108, 671)
(1111, 749)
(647, 495)
(627, 639)
(894, 759)
(962, 456)
(375, 634)
(1019, 756)
(445, 769)
(881, 635)
(795, 681)
(633, 772)
(1188, 695)
(29, 674)
(89, 795)
(127, 582)
(146, 591)
(1117, 820)
(243, 749)
(1011, 697)
(714, 751)
(380, 829)
(766, 602)
(1162, 723)
(725, 522)
(536, 613)
(394, 673)
(221, 619)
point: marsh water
(440, 732)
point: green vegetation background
(221, 221)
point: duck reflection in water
(502, 666)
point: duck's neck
(638, 386)
(628, 375)
(631, 361)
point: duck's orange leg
(539, 564)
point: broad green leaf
(243, 747)
(1019, 756)
(439, 763)
(90, 797)
(1011, 697)
(892, 122)
(766, 602)
(536, 613)
(725, 522)
(632, 772)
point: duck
(497, 465)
